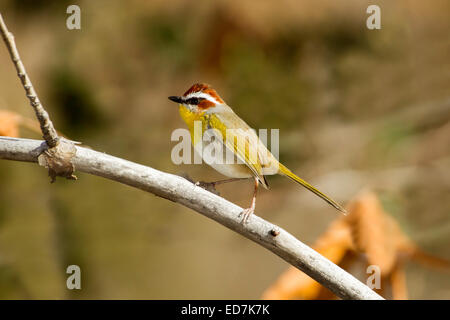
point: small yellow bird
(202, 103)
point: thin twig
(180, 190)
(48, 131)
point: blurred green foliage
(169, 41)
(79, 113)
(78, 110)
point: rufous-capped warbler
(202, 103)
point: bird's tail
(285, 171)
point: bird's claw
(209, 186)
(246, 213)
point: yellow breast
(190, 117)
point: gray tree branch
(180, 190)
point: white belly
(233, 170)
(218, 160)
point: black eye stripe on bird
(194, 100)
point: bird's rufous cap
(205, 88)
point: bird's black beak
(176, 99)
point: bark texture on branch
(180, 190)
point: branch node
(58, 160)
(274, 232)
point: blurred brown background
(356, 109)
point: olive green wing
(239, 138)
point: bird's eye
(194, 101)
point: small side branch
(180, 190)
(48, 131)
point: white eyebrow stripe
(202, 95)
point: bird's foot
(209, 186)
(246, 213)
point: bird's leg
(247, 212)
(215, 183)
(212, 185)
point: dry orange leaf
(398, 283)
(374, 232)
(9, 123)
(368, 230)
